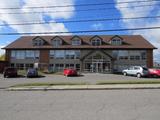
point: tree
(2, 57)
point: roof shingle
(132, 42)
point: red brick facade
(149, 58)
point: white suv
(136, 71)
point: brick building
(99, 53)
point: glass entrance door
(97, 67)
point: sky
(75, 12)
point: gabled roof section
(76, 36)
(39, 38)
(96, 36)
(116, 36)
(55, 37)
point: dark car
(10, 72)
(32, 72)
(70, 72)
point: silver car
(136, 71)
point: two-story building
(99, 53)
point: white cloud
(97, 26)
(1, 50)
(151, 35)
(20, 18)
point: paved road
(80, 105)
(90, 78)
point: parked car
(154, 72)
(32, 72)
(69, 72)
(10, 72)
(136, 71)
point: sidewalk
(85, 87)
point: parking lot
(91, 78)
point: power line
(89, 20)
(80, 5)
(81, 10)
(86, 31)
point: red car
(154, 72)
(69, 72)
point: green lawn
(156, 81)
(49, 84)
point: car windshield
(144, 68)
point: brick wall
(44, 56)
(149, 58)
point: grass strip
(49, 84)
(157, 81)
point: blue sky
(75, 14)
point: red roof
(129, 42)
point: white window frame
(76, 42)
(116, 41)
(56, 42)
(96, 42)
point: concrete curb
(85, 87)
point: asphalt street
(80, 105)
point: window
(123, 58)
(56, 42)
(13, 54)
(36, 52)
(52, 54)
(116, 41)
(20, 54)
(77, 67)
(143, 55)
(76, 42)
(29, 66)
(77, 54)
(59, 67)
(59, 54)
(115, 53)
(30, 54)
(69, 66)
(134, 57)
(72, 54)
(136, 68)
(135, 54)
(123, 55)
(96, 42)
(38, 42)
(25, 54)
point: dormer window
(76, 42)
(56, 42)
(38, 42)
(116, 41)
(96, 42)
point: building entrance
(97, 63)
(98, 66)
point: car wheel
(155, 76)
(125, 74)
(139, 75)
